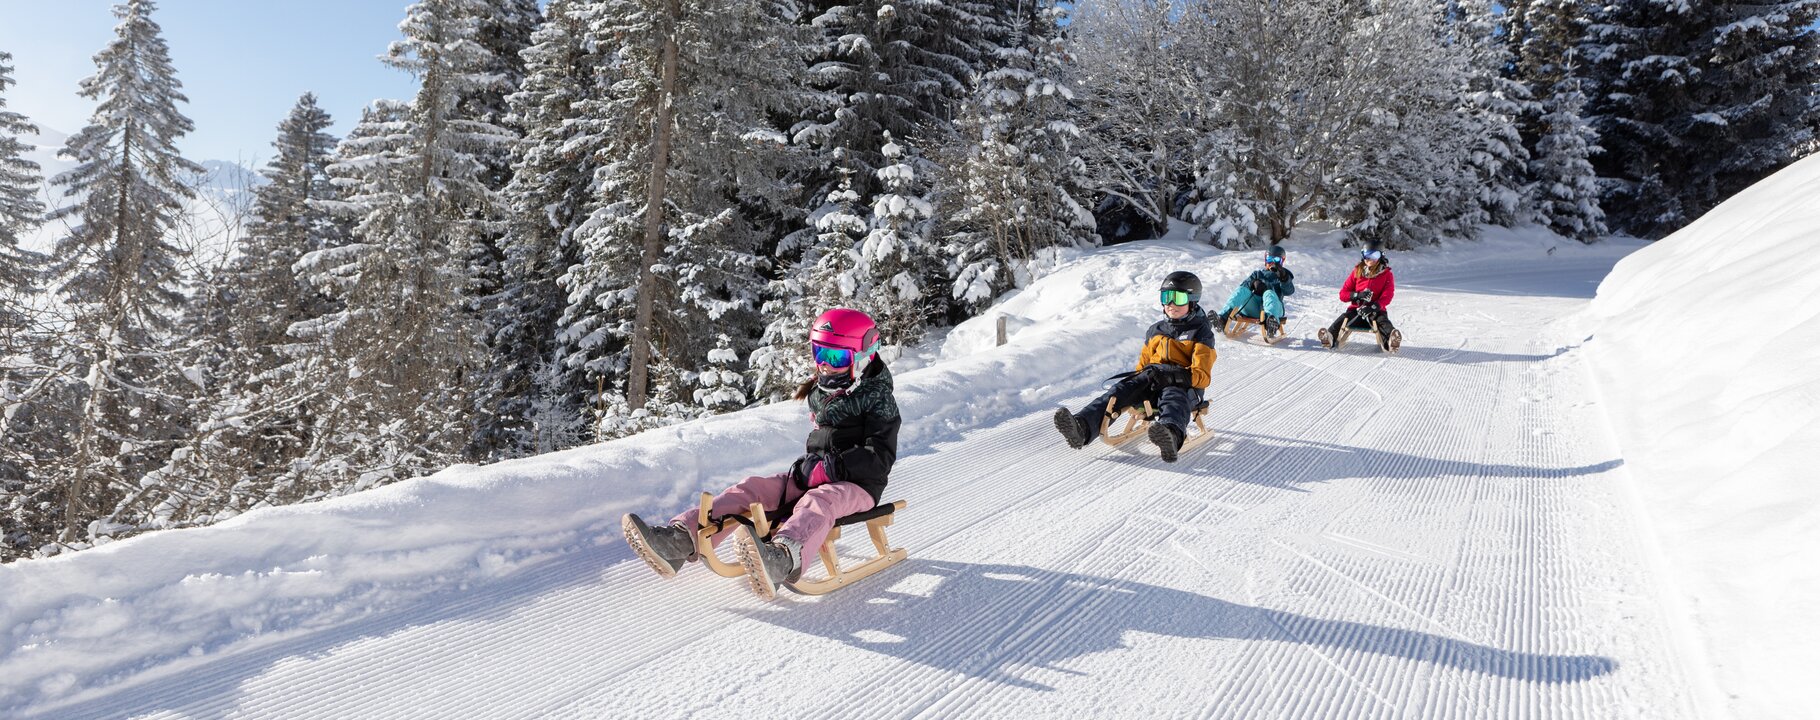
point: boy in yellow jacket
(1173, 371)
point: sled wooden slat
(1237, 325)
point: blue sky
(243, 63)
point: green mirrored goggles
(1177, 297)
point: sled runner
(1237, 325)
(1137, 424)
(876, 520)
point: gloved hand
(1257, 285)
(1171, 376)
(819, 475)
(821, 438)
(1283, 273)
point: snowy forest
(597, 217)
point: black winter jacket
(855, 433)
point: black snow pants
(1173, 403)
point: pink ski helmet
(843, 338)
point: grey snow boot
(664, 548)
(1168, 439)
(1073, 430)
(768, 564)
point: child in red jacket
(1368, 290)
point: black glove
(1164, 375)
(1257, 285)
(1283, 273)
(821, 438)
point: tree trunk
(638, 384)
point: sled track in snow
(1436, 534)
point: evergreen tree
(808, 287)
(257, 412)
(20, 211)
(1695, 101)
(718, 388)
(887, 67)
(119, 274)
(892, 273)
(1566, 191)
(690, 165)
(1012, 189)
(406, 342)
(1495, 103)
(532, 394)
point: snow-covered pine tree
(255, 416)
(24, 523)
(886, 66)
(1695, 101)
(406, 343)
(1014, 179)
(896, 266)
(690, 164)
(719, 388)
(118, 273)
(806, 288)
(1566, 193)
(1494, 102)
(20, 211)
(535, 400)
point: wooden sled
(876, 520)
(1346, 331)
(1137, 424)
(1237, 325)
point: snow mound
(1706, 346)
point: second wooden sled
(1367, 326)
(1137, 424)
(1237, 325)
(876, 520)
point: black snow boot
(664, 548)
(1272, 326)
(1073, 430)
(1167, 438)
(1388, 337)
(1219, 320)
(768, 564)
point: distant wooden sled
(1237, 325)
(876, 520)
(1346, 331)
(1137, 424)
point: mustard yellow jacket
(1187, 342)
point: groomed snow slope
(1438, 534)
(1707, 349)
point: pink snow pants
(808, 524)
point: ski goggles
(1273, 260)
(1177, 297)
(1372, 255)
(833, 357)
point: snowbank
(1706, 346)
(154, 605)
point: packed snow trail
(1439, 534)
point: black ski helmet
(1275, 251)
(1371, 246)
(1184, 281)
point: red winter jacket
(1382, 285)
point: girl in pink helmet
(846, 461)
